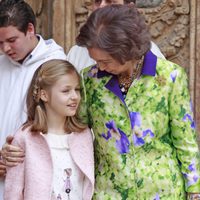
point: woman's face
(107, 63)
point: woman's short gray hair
(120, 30)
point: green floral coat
(145, 145)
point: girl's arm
(14, 182)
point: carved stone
(195, 59)
(169, 27)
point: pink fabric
(32, 179)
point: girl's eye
(65, 91)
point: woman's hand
(2, 169)
(193, 196)
(11, 155)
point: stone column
(195, 58)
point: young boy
(22, 52)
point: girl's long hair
(44, 78)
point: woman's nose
(101, 66)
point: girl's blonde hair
(44, 78)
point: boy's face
(102, 3)
(16, 44)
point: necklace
(126, 81)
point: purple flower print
(136, 119)
(122, 142)
(148, 131)
(111, 125)
(173, 75)
(138, 136)
(192, 166)
(193, 176)
(111, 129)
(93, 71)
(122, 145)
(189, 117)
(138, 141)
(157, 197)
(108, 136)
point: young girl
(59, 161)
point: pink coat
(32, 179)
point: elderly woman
(139, 108)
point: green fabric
(167, 162)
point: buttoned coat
(32, 179)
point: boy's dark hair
(16, 13)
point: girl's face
(63, 98)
